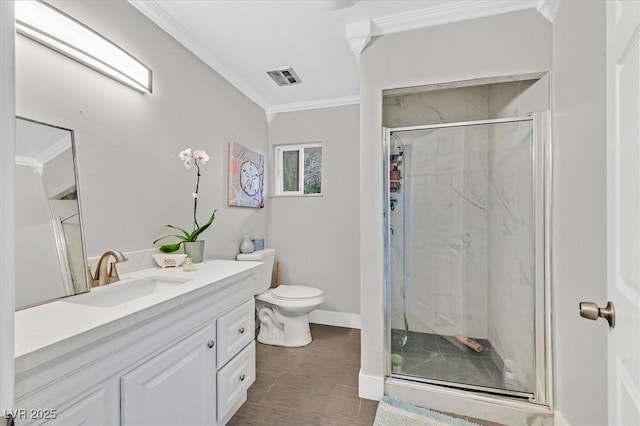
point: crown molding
(445, 14)
(36, 166)
(154, 11)
(548, 8)
(358, 36)
(38, 161)
(321, 103)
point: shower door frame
(541, 160)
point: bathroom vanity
(160, 347)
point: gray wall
(317, 238)
(510, 44)
(579, 206)
(131, 180)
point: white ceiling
(243, 39)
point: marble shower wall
(447, 268)
(433, 107)
(510, 243)
(442, 201)
(511, 231)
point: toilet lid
(295, 292)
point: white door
(623, 209)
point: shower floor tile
(432, 356)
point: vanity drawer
(235, 329)
(235, 378)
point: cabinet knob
(211, 344)
(241, 331)
(242, 378)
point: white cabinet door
(176, 387)
(96, 408)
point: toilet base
(296, 333)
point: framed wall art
(246, 177)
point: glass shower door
(463, 255)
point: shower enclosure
(465, 256)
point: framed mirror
(50, 251)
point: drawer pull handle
(211, 344)
(241, 331)
(242, 378)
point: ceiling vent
(285, 77)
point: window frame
(279, 151)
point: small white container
(168, 260)
(247, 245)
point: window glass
(312, 170)
(290, 170)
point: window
(298, 169)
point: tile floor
(313, 385)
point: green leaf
(196, 232)
(180, 237)
(170, 248)
(186, 234)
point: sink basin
(126, 291)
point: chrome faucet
(106, 275)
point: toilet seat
(295, 292)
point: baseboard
(559, 420)
(337, 319)
(370, 387)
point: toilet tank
(264, 272)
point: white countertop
(46, 331)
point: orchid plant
(187, 156)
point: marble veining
(511, 249)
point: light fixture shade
(47, 25)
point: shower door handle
(591, 311)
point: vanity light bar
(49, 26)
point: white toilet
(282, 311)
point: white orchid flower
(199, 154)
(186, 154)
(186, 157)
